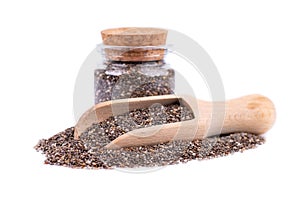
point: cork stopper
(134, 44)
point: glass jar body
(125, 79)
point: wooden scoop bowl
(252, 113)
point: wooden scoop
(253, 113)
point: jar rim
(133, 53)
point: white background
(255, 45)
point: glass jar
(133, 65)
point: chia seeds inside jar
(133, 65)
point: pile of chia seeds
(88, 152)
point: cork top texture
(134, 36)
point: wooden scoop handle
(253, 113)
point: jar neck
(123, 64)
(133, 54)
